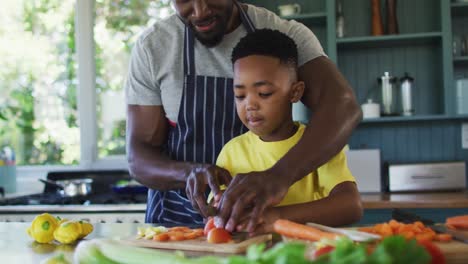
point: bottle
(377, 26)
(392, 23)
(340, 20)
(406, 95)
(387, 87)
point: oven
(114, 198)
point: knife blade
(408, 217)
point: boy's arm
(341, 207)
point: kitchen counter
(415, 200)
(17, 247)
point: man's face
(264, 90)
(207, 18)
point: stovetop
(103, 190)
(91, 199)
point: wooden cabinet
(423, 48)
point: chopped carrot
(176, 235)
(443, 237)
(180, 228)
(426, 236)
(192, 235)
(416, 230)
(161, 237)
(295, 230)
(459, 222)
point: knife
(408, 217)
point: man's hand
(265, 222)
(199, 177)
(250, 194)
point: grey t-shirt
(156, 70)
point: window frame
(86, 99)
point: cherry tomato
(323, 250)
(208, 226)
(435, 252)
(218, 235)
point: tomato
(218, 235)
(435, 252)
(208, 226)
(323, 250)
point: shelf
(415, 38)
(421, 118)
(459, 9)
(316, 17)
(461, 59)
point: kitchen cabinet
(459, 22)
(423, 48)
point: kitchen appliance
(408, 217)
(377, 24)
(387, 85)
(364, 164)
(427, 177)
(406, 85)
(102, 205)
(462, 96)
(340, 20)
(392, 21)
(71, 188)
(370, 109)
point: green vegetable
(392, 250)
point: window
(116, 29)
(38, 113)
(63, 68)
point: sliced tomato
(323, 250)
(208, 226)
(218, 235)
(435, 252)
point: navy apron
(207, 120)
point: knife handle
(408, 217)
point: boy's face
(264, 90)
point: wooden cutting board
(455, 251)
(238, 245)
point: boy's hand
(265, 225)
(250, 194)
(199, 177)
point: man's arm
(335, 115)
(147, 132)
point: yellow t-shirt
(247, 153)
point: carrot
(176, 235)
(192, 235)
(295, 230)
(443, 237)
(161, 237)
(459, 222)
(183, 229)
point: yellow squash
(42, 228)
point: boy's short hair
(267, 42)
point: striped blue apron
(207, 120)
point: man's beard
(216, 36)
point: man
(181, 112)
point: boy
(265, 86)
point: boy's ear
(297, 90)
